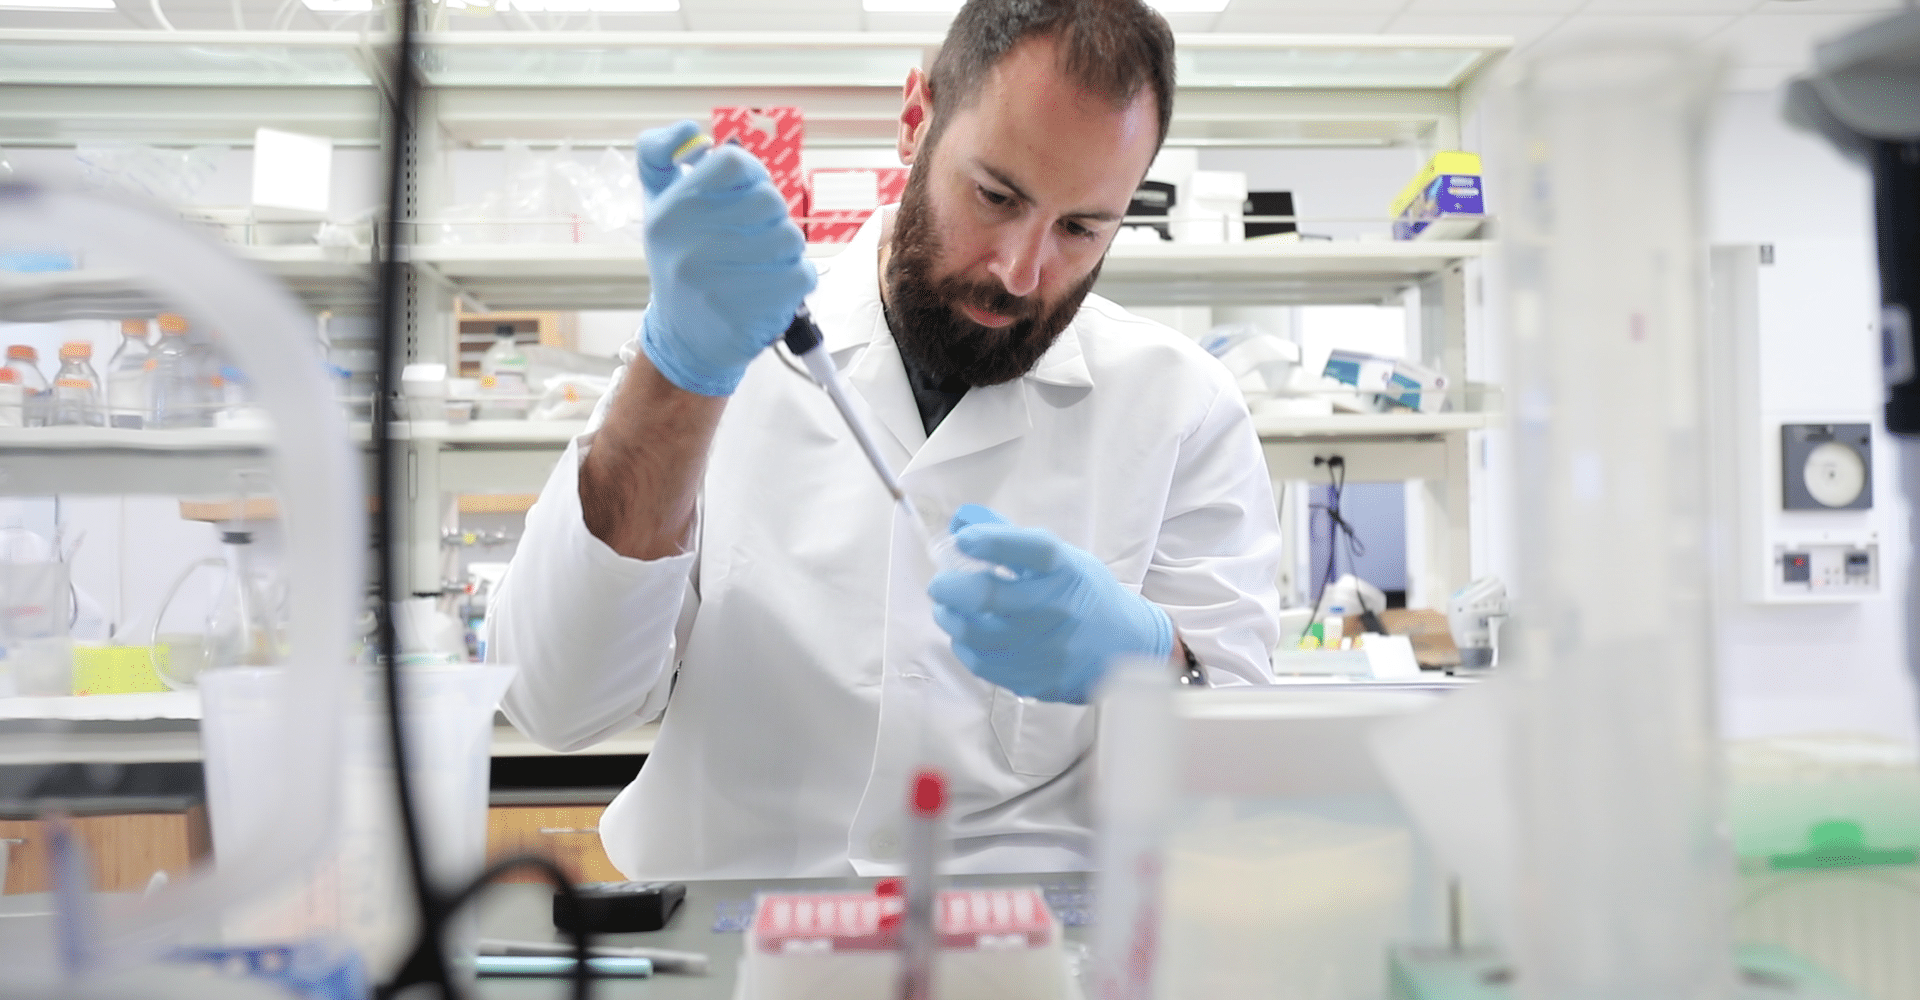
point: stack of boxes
(1444, 200)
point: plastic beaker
(361, 889)
(36, 615)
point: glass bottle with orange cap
(128, 395)
(24, 362)
(11, 398)
(176, 389)
(76, 388)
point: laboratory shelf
(165, 728)
(488, 433)
(323, 277)
(41, 461)
(533, 276)
(614, 276)
(1273, 272)
(105, 707)
(1370, 426)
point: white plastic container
(360, 890)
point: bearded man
(716, 552)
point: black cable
(569, 900)
(427, 963)
(1337, 526)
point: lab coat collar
(850, 316)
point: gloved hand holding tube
(1050, 627)
(729, 267)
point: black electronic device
(1826, 467)
(1264, 205)
(1153, 198)
(622, 907)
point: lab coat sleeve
(1218, 556)
(593, 633)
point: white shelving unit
(485, 88)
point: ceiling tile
(1695, 27)
(771, 15)
(1293, 21)
(1825, 6)
(1525, 28)
(909, 22)
(1537, 7)
(1668, 7)
(104, 20)
(1786, 39)
(1256, 8)
(1757, 78)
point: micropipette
(804, 340)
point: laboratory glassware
(316, 470)
(75, 403)
(128, 383)
(505, 397)
(1622, 869)
(24, 361)
(36, 615)
(12, 399)
(1134, 804)
(178, 396)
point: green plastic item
(1435, 973)
(1839, 844)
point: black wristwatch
(1192, 675)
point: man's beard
(934, 338)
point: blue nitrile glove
(1051, 632)
(729, 268)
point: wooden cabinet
(124, 849)
(569, 834)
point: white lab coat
(811, 676)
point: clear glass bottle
(11, 399)
(24, 362)
(75, 403)
(175, 387)
(129, 392)
(76, 388)
(505, 398)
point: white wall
(1802, 669)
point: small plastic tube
(925, 835)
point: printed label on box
(842, 199)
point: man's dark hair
(1111, 48)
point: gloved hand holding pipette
(737, 263)
(1050, 627)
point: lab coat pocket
(1039, 738)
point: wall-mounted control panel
(1828, 569)
(1798, 434)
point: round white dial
(1834, 474)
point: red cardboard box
(841, 199)
(775, 136)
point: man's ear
(916, 115)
